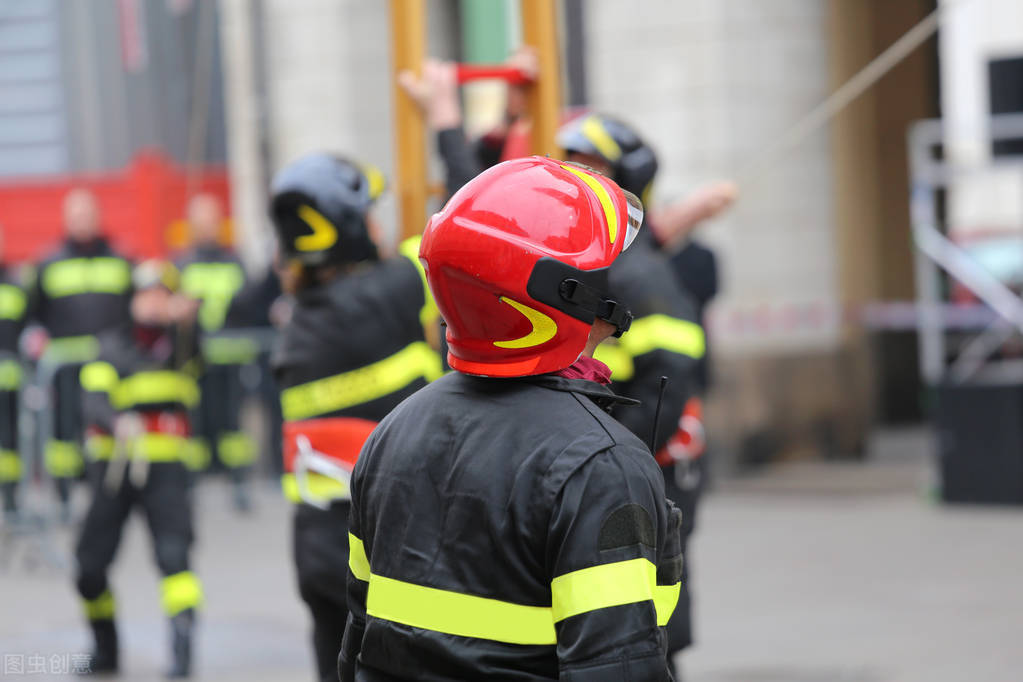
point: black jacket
(355, 347)
(13, 306)
(665, 339)
(508, 529)
(82, 290)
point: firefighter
(138, 396)
(81, 290)
(666, 339)
(356, 345)
(13, 303)
(212, 274)
(503, 525)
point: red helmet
(517, 261)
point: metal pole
(408, 43)
(540, 30)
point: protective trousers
(10, 461)
(321, 559)
(164, 499)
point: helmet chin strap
(585, 296)
(579, 293)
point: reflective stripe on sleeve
(661, 332)
(381, 378)
(12, 302)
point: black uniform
(508, 529)
(355, 347)
(13, 303)
(80, 291)
(151, 375)
(665, 339)
(214, 275)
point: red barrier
(142, 207)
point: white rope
(850, 90)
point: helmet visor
(635, 218)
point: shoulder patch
(627, 526)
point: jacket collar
(602, 396)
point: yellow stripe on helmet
(544, 328)
(594, 131)
(324, 233)
(602, 195)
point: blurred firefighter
(356, 345)
(137, 400)
(213, 275)
(81, 290)
(503, 525)
(13, 304)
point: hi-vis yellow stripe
(466, 615)
(605, 200)
(663, 332)
(324, 233)
(543, 327)
(12, 302)
(322, 488)
(428, 314)
(417, 360)
(594, 131)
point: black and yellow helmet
(155, 272)
(633, 161)
(318, 206)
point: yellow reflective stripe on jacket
(71, 349)
(358, 562)
(12, 302)
(10, 375)
(661, 332)
(322, 396)
(73, 276)
(99, 448)
(459, 614)
(236, 449)
(229, 350)
(215, 284)
(322, 488)
(10, 466)
(466, 615)
(158, 386)
(160, 447)
(100, 608)
(98, 377)
(617, 360)
(179, 592)
(428, 314)
(603, 586)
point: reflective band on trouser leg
(10, 466)
(415, 361)
(12, 302)
(180, 592)
(63, 459)
(661, 332)
(236, 449)
(323, 488)
(358, 562)
(459, 614)
(99, 447)
(229, 350)
(100, 608)
(10, 375)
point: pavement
(807, 572)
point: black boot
(104, 656)
(181, 645)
